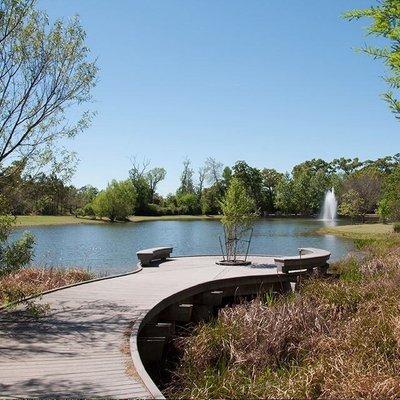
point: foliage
(351, 204)
(270, 180)
(17, 254)
(211, 201)
(396, 227)
(303, 192)
(46, 70)
(385, 24)
(364, 188)
(252, 180)
(116, 202)
(389, 205)
(285, 200)
(42, 194)
(188, 203)
(300, 192)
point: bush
(30, 281)
(396, 227)
(188, 203)
(17, 254)
(88, 210)
(117, 202)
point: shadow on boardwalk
(70, 352)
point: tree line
(362, 187)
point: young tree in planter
(239, 213)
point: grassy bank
(175, 218)
(357, 231)
(43, 220)
(40, 220)
(336, 338)
(31, 281)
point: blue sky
(270, 82)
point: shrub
(30, 281)
(396, 227)
(17, 254)
(117, 202)
(88, 210)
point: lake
(111, 248)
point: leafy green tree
(188, 203)
(303, 192)
(385, 24)
(116, 202)
(226, 177)
(45, 70)
(252, 179)
(384, 164)
(87, 194)
(389, 205)
(211, 200)
(270, 181)
(346, 165)
(311, 179)
(239, 212)
(285, 200)
(351, 205)
(367, 183)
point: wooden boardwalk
(81, 347)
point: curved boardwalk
(81, 347)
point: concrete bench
(308, 258)
(147, 256)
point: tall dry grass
(337, 338)
(30, 281)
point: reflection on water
(112, 247)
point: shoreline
(59, 220)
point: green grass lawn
(40, 220)
(37, 220)
(359, 230)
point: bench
(308, 258)
(147, 256)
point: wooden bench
(147, 256)
(308, 258)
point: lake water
(111, 248)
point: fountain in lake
(329, 209)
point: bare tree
(154, 177)
(202, 171)
(213, 171)
(186, 178)
(44, 70)
(138, 169)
